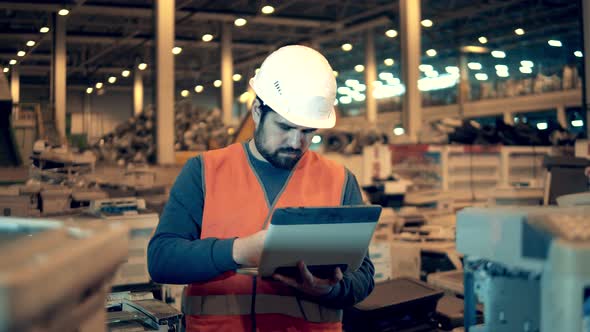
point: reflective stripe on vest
(229, 305)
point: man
(221, 203)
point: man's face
(281, 142)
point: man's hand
(308, 283)
(247, 250)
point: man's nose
(295, 139)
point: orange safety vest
(236, 206)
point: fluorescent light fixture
(359, 97)
(207, 37)
(389, 62)
(199, 88)
(237, 77)
(12, 62)
(335, 102)
(44, 30)
(398, 131)
(385, 76)
(474, 66)
(481, 76)
(482, 40)
(344, 90)
(359, 68)
(578, 54)
(542, 125)
(31, 43)
(394, 81)
(21, 53)
(519, 31)
(431, 74)
(391, 33)
(142, 66)
(89, 90)
(346, 47)
(345, 99)
(125, 73)
(351, 83)
(526, 70)
(267, 10)
(502, 73)
(112, 79)
(577, 123)
(176, 50)
(425, 68)
(527, 63)
(501, 67)
(335, 73)
(240, 22)
(98, 85)
(498, 54)
(554, 43)
(217, 83)
(474, 49)
(63, 12)
(256, 71)
(360, 87)
(452, 69)
(431, 52)
(316, 139)
(6, 69)
(184, 93)
(426, 23)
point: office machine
(135, 312)
(529, 266)
(49, 279)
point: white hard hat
(298, 83)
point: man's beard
(276, 158)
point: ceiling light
(207, 37)
(345, 99)
(89, 90)
(176, 50)
(527, 63)
(125, 73)
(359, 97)
(359, 68)
(31, 43)
(63, 12)
(542, 125)
(198, 88)
(142, 66)
(21, 53)
(316, 139)
(474, 65)
(237, 77)
(424, 68)
(44, 30)
(184, 93)
(481, 76)
(482, 40)
(256, 71)
(217, 83)
(335, 102)
(385, 76)
(391, 33)
(431, 52)
(452, 69)
(335, 73)
(577, 123)
(578, 54)
(344, 90)
(112, 79)
(98, 85)
(394, 81)
(426, 23)
(346, 47)
(361, 87)
(351, 83)
(526, 70)
(398, 131)
(240, 22)
(6, 69)
(519, 31)
(267, 10)
(474, 49)
(12, 62)
(432, 73)
(502, 73)
(498, 54)
(554, 43)
(501, 67)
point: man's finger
(306, 275)
(286, 280)
(337, 276)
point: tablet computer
(323, 237)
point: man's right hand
(247, 250)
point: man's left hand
(310, 284)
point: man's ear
(256, 111)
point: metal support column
(59, 74)
(586, 33)
(165, 81)
(15, 90)
(370, 77)
(227, 71)
(137, 92)
(409, 11)
(561, 117)
(463, 92)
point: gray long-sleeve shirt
(177, 254)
